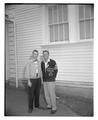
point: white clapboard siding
(74, 60)
(28, 34)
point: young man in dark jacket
(49, 72)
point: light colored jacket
(33, 68)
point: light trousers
(49, 90)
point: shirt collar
(35, 60)
(47, 60)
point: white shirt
(36, 66)
(46, 63)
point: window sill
(67, 43)
(58, 43)
(86, 40)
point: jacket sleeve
(27, 75)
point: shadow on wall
(9, 112)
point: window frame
(74, 34)
(84, 20)
(58, 23)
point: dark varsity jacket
(49, 74)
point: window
(58, 23)
(86, 21)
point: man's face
(46, 55)
(35, 55)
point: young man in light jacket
(33, 74)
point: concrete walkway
(17, 105)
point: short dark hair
(35, 51)
(46, 51)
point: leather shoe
(53, 111)
(30, 110)
(40, 107)
(48, 108)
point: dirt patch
(82, 106)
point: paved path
(16, 104)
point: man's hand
(29, 83)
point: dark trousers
(34, 93)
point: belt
(34, 78)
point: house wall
(75, 63)
(28, 34)
(74, 59)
